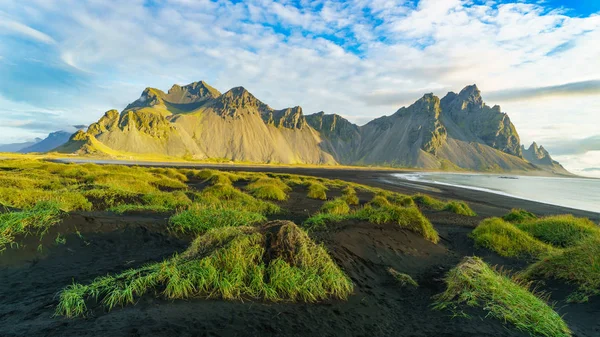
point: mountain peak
(239, 98)
(471, 94)
(191, 93)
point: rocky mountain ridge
(458, 131)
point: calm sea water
(576, 193)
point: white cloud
(13, 27)
(289, 56)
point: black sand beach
(111, 243)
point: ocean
(578, 193)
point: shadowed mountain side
(542, 159)
(457, 132)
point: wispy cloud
(585, 88)
(13, 27)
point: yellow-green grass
(507, 240)
(561, 230)
(460, 208)
(475, 284)
(275, 264)
(578, 265)
(517, 215)
(317, 190)
(269, 189)
(227, 196)
(403, 279)
(36, 221)
(199, 219)
(380, 201)
(406, 217)
(349, 195)
(454, 206)
(336, 206)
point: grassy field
(236, 253)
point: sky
(65, 62)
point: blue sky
(65, 62)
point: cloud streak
(585, 88)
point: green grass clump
(403, 279)
(428, 202)
(198, 219)
(517, 215)
(474, 284)
(25, 198)
(336, 206)
(317, 191)
(561, 230)
(108, 197)
(460, 208)
(227, 196)
(407, 217)
(269, 188)
(279, 262)
(349, 195)
(380, 201)
(320, 221)
(578, 265)
(507, 240)
(36, 220)
(126, 208)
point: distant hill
(458, 131)
(54, 140)
(16, 147)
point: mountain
(458, 131)
(541, 158)
(53, 140)
(197, 120)
(16, 147)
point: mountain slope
(542, 159)
(458, 131)
(198, 121)
(16, 147)
(54, 139)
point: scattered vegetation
(269, 188)
(349, 195)
(507, 240)
(517, 215)
(200, 219)
(578, 265)
(278, 262)
(474, 284)
(336, 206)
(317, 191)
(458, 207)
(561, 230)
(403, 279)
(36, 221)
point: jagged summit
(457, 131)
(539, 156)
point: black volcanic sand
(108, 243)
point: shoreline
(485, 203)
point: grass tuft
(269, 188)
(507, 240)
(561, 230)
(349, 195)
(317, 190)
(36, 220)
(460, 208)
(403, 279)
(199, 219)
(277, 262)
(336, 206)
(517, 215)
(474, 284)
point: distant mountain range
(52, 141)
(458, 131)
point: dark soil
(110, 243)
